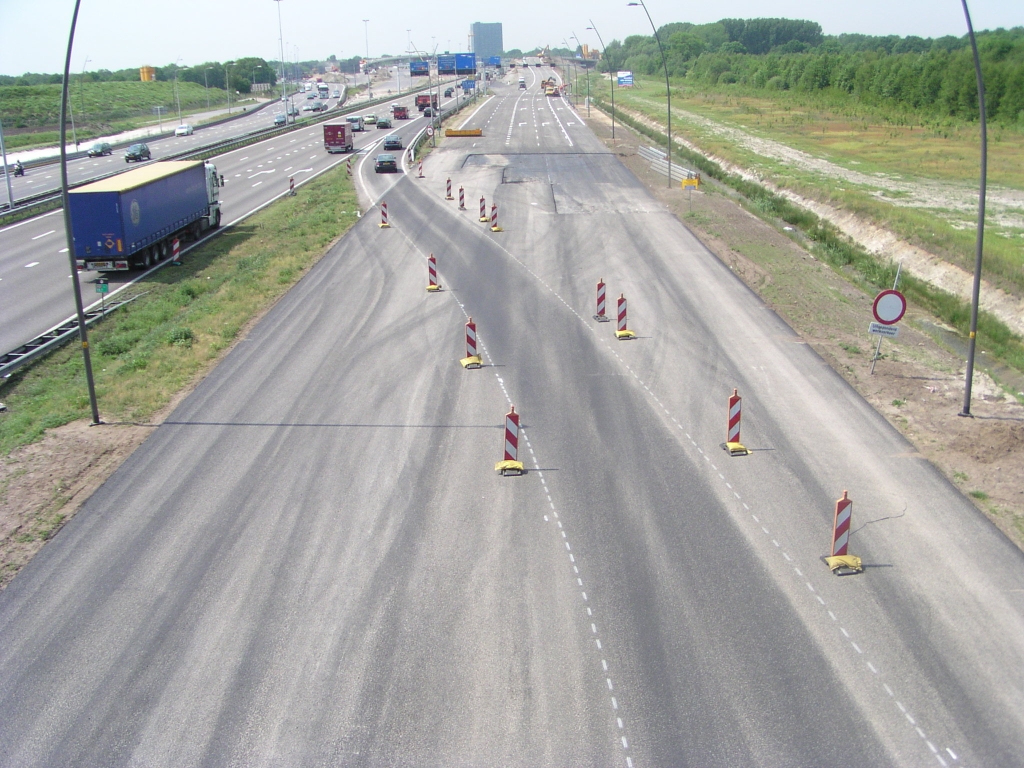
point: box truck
(338, 137)
(131, 219)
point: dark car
(392, 141)
(385, 164)
(99, 149)
(383, 122)
(137, 152)
(448, 93)
(428, 112)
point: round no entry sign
(889, 307)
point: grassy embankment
(868, 141)
(31, 114)
(150, 350)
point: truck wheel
(147, 261)
(216, 219)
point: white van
(356, 121)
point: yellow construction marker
(627, 334)
(509, 467)
(737, 449)
(845, 564)
(473, 361)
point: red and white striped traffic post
(384, 215)
(841, 561)
(348, 166)
(432, 284)
(462, 199)
(448, 193)
(472, 359)
(622, 331)
(511, 465)
(732, 440)
(601, 317)
(175, 252)
(483, 210)
(421, 170)
(494, 219)
(291, 187)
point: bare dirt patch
(917, 385)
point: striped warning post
(622, 331)
(511, 465)
(384, 215)
(732, 440)
(432, 284)
(841, 528)
(472, 359)
(601, 317)
(421, 169)
(494, 219)
(175, 248)
(348, 166)
(841, 562)
(448, 193)
(483, 210)
(462, 199)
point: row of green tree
(240, 74)
(929, 75)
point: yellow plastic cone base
(509, 467)
(737, 449)
(485, 219)
(433, 288)
(473, 361)
(844, 564)
(625, 335)
(497, 229)
(385, 226)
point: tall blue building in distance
(486, 39)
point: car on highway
(137, 152)
(292, 110)
(184, 130)
(448, 92)
(383, 122)
(385, 163)
(428, 112)
(310, 94)
(335, 94)
(99, 149)
(369, 119)
(280, 119)
(356, 122)
(392, 141)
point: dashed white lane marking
(629, 369)
(44, 234)
(33, 264)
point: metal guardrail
(55, 337)
(659, 164)
(60, 333)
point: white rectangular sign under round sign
(884, 330)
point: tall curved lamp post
(668, 91)
(83, 334)
(611, 75)
(976, 290)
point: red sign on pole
(889, 307)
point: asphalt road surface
(313, 562)
(34, 269)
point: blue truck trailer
(131, 219)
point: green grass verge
(144, 354)
(830, 245)
(869, 140)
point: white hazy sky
(115, 34)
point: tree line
(935, 76)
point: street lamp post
(83, 334)
(81, 96)
(227, 82)
(611, 75)
(177, 96)
(366, 31)
(206, 82)
(976, 289)
(668, 90)
(280, 40)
